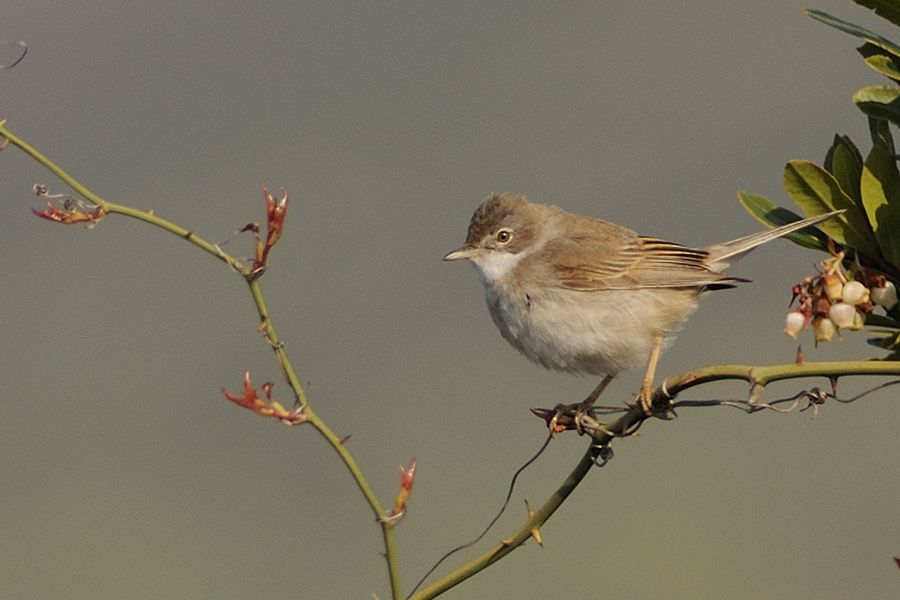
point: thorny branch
(602, 434)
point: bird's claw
(662, 407)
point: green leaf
(860, 32)
(845, 163)
(876, 320)
(881, 102)
(816, 192)
(888, 342)
(881, 61)
(886, 9)
(880, 187)
(880, 131)
(769, 214)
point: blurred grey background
(125, 474)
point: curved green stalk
(337, 443)
(113, 208)
(757, 376)
(251, 276)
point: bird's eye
(503, 236)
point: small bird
(579, 294)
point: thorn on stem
(536, 530)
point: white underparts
(497, 265)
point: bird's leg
(581, 409)
(588, 402)
(645, 397)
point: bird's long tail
(722, 255)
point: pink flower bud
(854, 293)
(842, 315)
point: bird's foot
(653, 406)
(563, 417)
(580, 417)
(584, 414)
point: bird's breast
(594, 332)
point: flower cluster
(836, 299)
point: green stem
(763, 375)
(387, 530)
(187, 234)
(266, 327)
(50, 165)
(268, 331)
(757, 376)
(112, 208)
(519, 537)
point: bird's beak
(462, 253)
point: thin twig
(509, 493)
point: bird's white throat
(496, 266)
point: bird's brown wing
(626, 261)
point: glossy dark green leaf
(887, 9)
(769, 214)
(877, 320)
(816, 192)
(887, 342)
(880, 131)
(860, 32)
(881, 61)
(880, 186)
(881, 102)
(845, 163)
